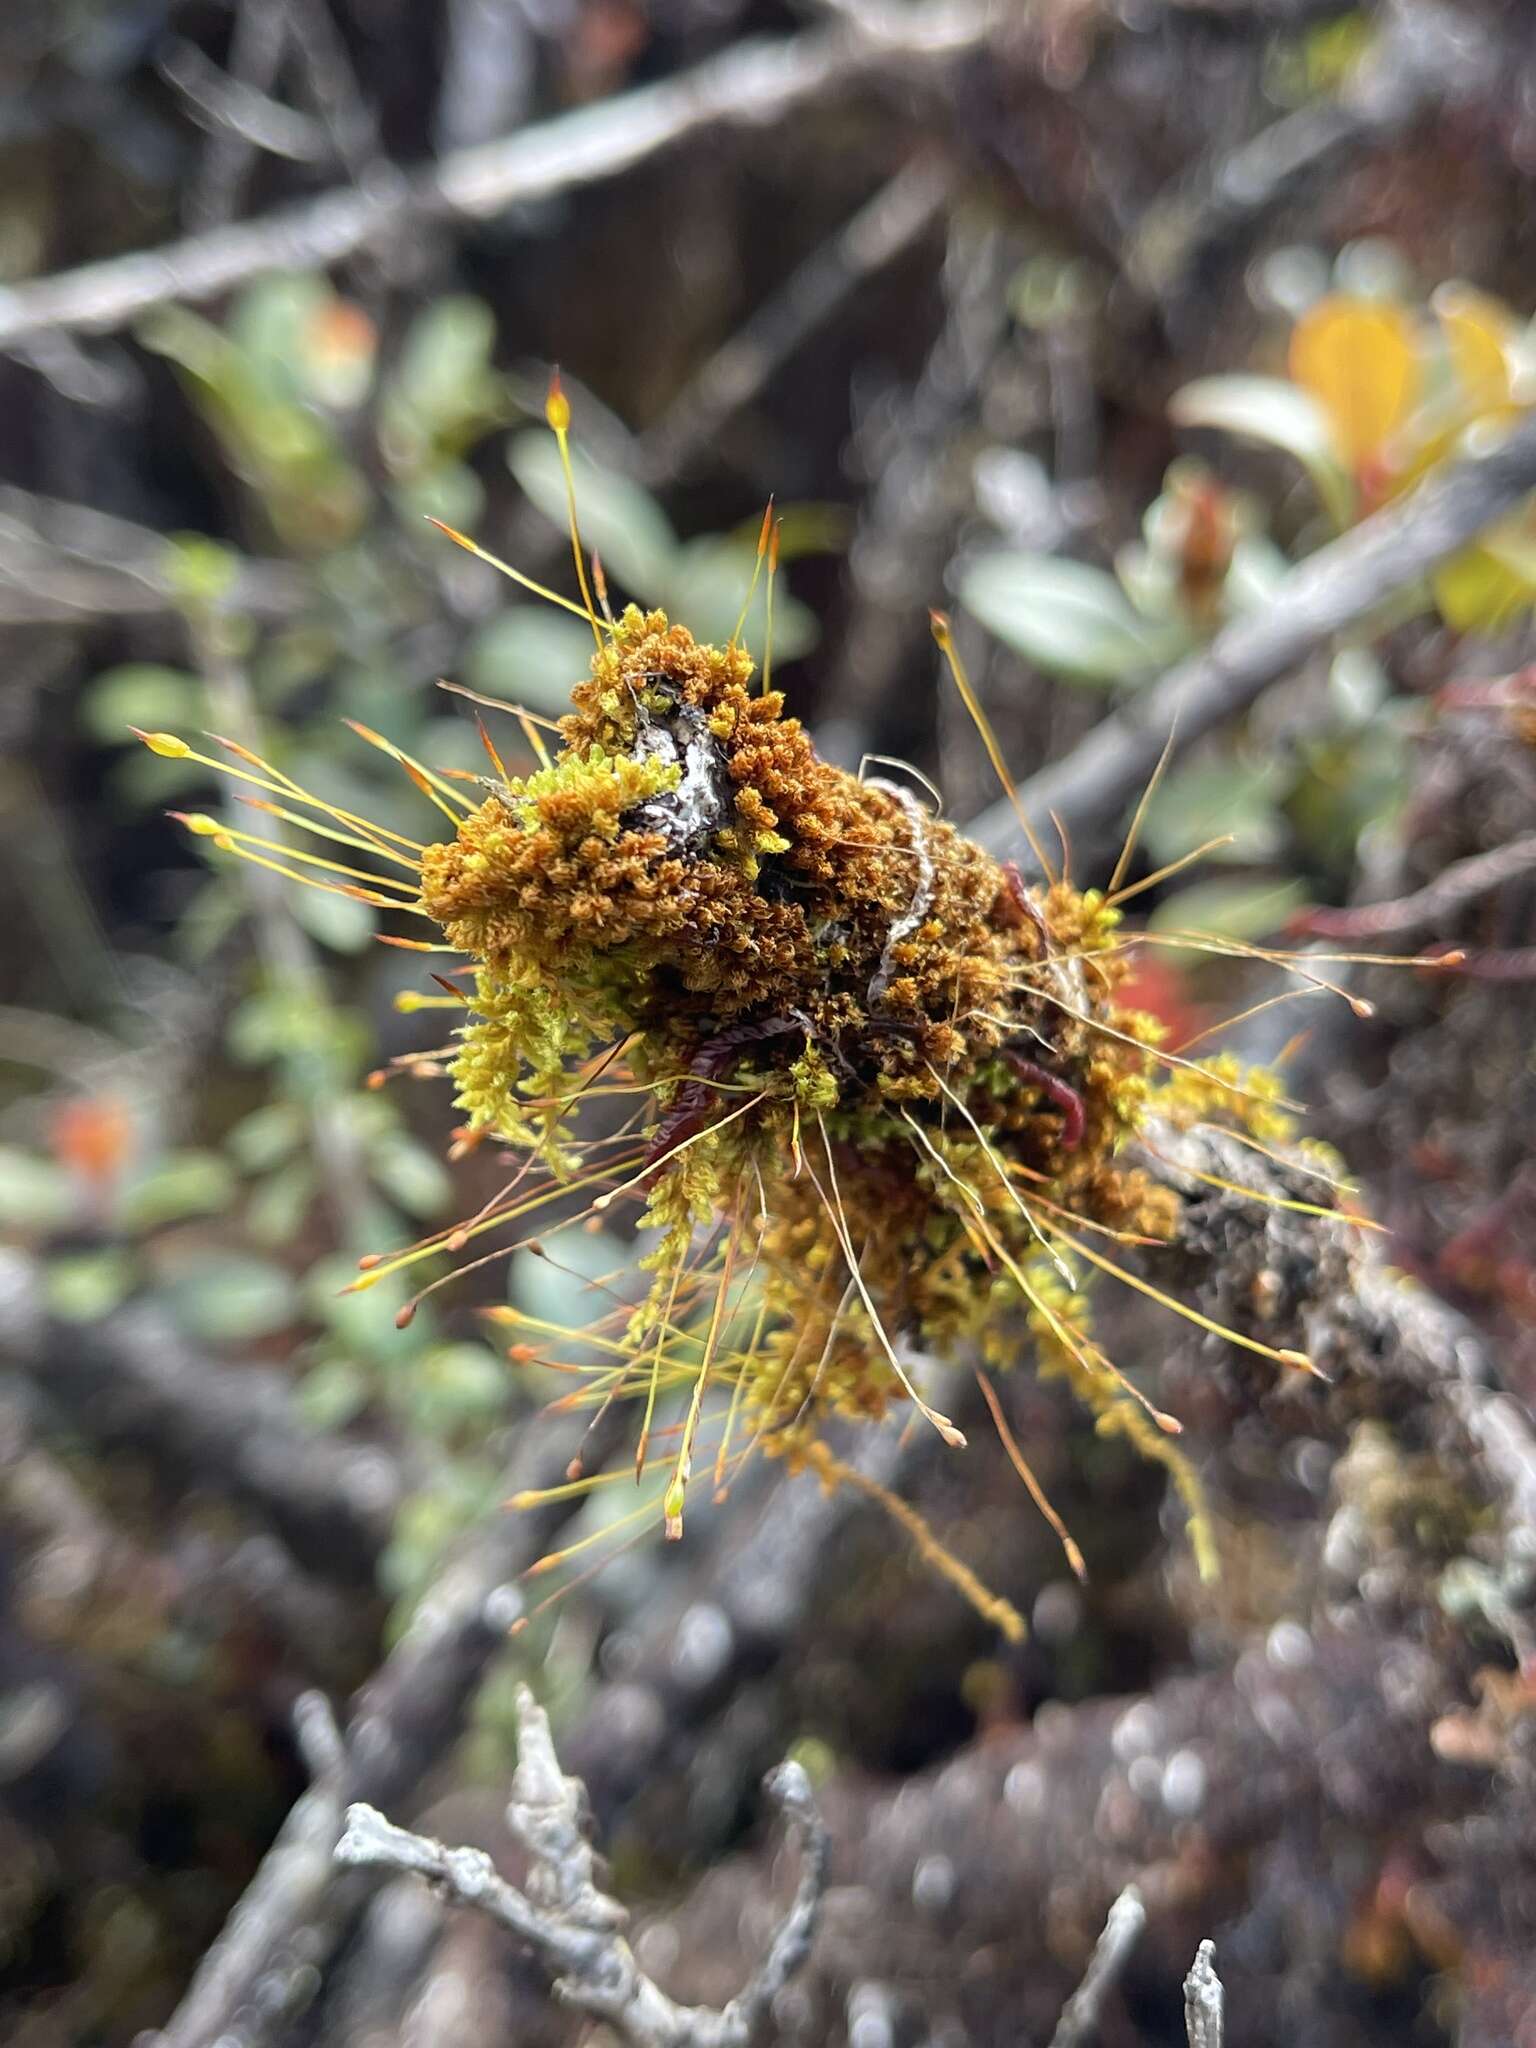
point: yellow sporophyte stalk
(867, 1094)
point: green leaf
(279, 1204)
(182, 1184)
(332, 1394)
(1282, 416)
(1230, 909)
(140, 693)
(530, 655)
(270, 321)
(35, 1193)
(266, 1137)
(227, 1297)
(458, 1383)
(1257, 570)
(85, 1287)
(1205, 798)
(710, 581)
(1067, 618)
(449, 491)
(1487, 585)
(410, 1175)
(562, 1294)
(619, 519)
(363, 1324)
(444, 371)
(340, 922)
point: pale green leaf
(35, 1192)
(1232, 909)
(227, 1297)
(1067, 618)
(181, 1184)
(530, 655)
(619, 519)
(141, 693)
(1282, 416)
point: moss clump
(888, 1084)
(876, 1092)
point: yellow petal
(1490, 583)
(1479, 337)
(1360, 360)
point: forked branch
(575, 1928)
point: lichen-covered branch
(1079, 2020)
(573, 1926)
(1204, 2000)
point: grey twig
(255, 58)
(877, 234)
(573, 1926)
(1122, 1929)
(1463, 882)
(295, 1911)
(752, 83)
(294, 1870)
(133, 1379)
(1204, 2000)
(1429, 59)
(61, 562)
(1090, 790)
(330, 83)
(231, 106)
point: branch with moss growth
(574, 1927)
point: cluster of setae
(868, 1094)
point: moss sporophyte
(874, 1093)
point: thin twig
(1463, 882)
(62, 563)
(1204, 2000)
(1091, 788)
(575, 1928)
(754, 82)
(255, 59)
(132, 1380)
(878, 233)
(1428, 60)
(1079, 2020)
(295, 1912)
(232, 106)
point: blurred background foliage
(216, 519)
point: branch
(1204, 2000)
(292, 1916)
(133, 1379)
(1463, 882)
(61, 562)
(882, 229)
(1079, 2022)
(1428, 60)
(572, 1926)
(1360, 1319)
(1090, 790)
(753, 83)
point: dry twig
(1204, 2000)
(576, 1929)
(1080, 2015)
(749, 84)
